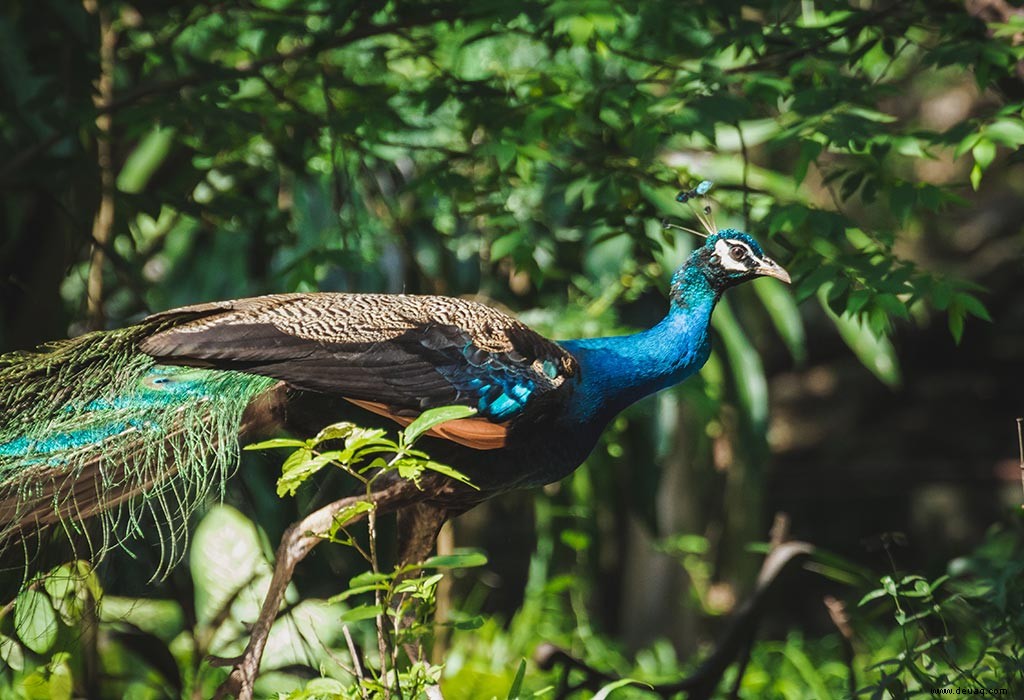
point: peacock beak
(770, 268)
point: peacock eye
(737, 253)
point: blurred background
(157, 154)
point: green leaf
(874, 350)
(505, 153)
(785, 316)
(422, 587)
(35, 687)
(410, 469)
(973, 306)
(976, 173)
(607, 690)
(516, 689)
(227, 564)
(984, 153)
(745, 363)
(60, 683)
(359, 438)
(276, 442)
(957, 316)
(346, 515)
(505, 245)
(873, 595)
(335, 431)
(300, 466)
(35, 620)
(11, 653)
(434, 417)
(147, 157)
(575, 540)
(470, 623)
(368, 577)
(358, 590)
(464, 560)
(450, 472)
(685, 544)
(70, 586)
(1007, 132)
(361, 612)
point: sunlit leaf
(11, 653)
(435, 417)
(874, 350)
(35, 620)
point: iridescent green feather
(93, 427)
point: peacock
(114, 425)
(118, 432)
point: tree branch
(296, 543)
(103, 224)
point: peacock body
(114, 424)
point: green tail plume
(92, 427)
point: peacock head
(726, 259)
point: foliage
(360, 455)
(961, 630)
(402, 599)
(315, 136)
(524, 152)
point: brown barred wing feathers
(402, 353)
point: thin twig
(837, 611)
(379, 619)
(741, 669)
(355, 660)
(746, 172)
(442, 611)
(1020, 445)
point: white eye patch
(723, 248)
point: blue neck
(618, 371)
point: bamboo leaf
(745, 363)
(785, 316)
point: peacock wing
(397, 355)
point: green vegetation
(160, 154)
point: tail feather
(93, 428)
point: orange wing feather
(476, 433)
